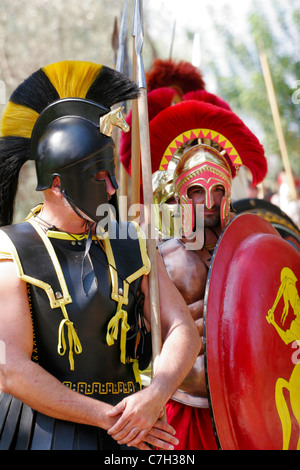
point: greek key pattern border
(102, 388)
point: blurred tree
(277, 31)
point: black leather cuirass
(97, 367)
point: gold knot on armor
(113, 329)
(72, 338)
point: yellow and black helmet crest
(87, 81)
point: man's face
(212, 209)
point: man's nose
(109, 186)
(210, 200)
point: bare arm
(32, 384)
(181, 345)
(26, 380)
(181, 341)
(191, 283)
(195, 382)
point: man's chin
(211, 221)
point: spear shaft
(147, 188)
(135, 132)
(276, 118)
(121, 65)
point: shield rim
(273, 214)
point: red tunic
(193, 426)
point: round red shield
(251, 333)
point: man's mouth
(210, 212)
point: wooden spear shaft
(115, 45)
(135, 142)
(151, 241)
(146, 165)
(277, 123)
(120, 66)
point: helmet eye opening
(100, 175)
(195, 189)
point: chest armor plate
(100, 299)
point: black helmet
(53, 117)
(66, 142)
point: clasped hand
(139, 423)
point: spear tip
(115, 38)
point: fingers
(116, 410)
(162, 435)
(155, 439)
(138, 428)
(199, 324)
(125, 432)
(120, 428)
(132, 419)
(161, 443)
(129, 436)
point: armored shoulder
(6, 247)
(35, 260)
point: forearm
(34, 386)
(180, 347)
(181, 342)
(175, 361)
(195, 382)
(143, 409)
(47, 395)
(24, 379)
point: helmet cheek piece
(225, 202)
(188, 216)
(224, 210)
(87, 204)
(165, 212)
(164, 216)
(169, 218)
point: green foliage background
(276, 32)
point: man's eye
(197, 191)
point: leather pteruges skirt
(22, 428)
